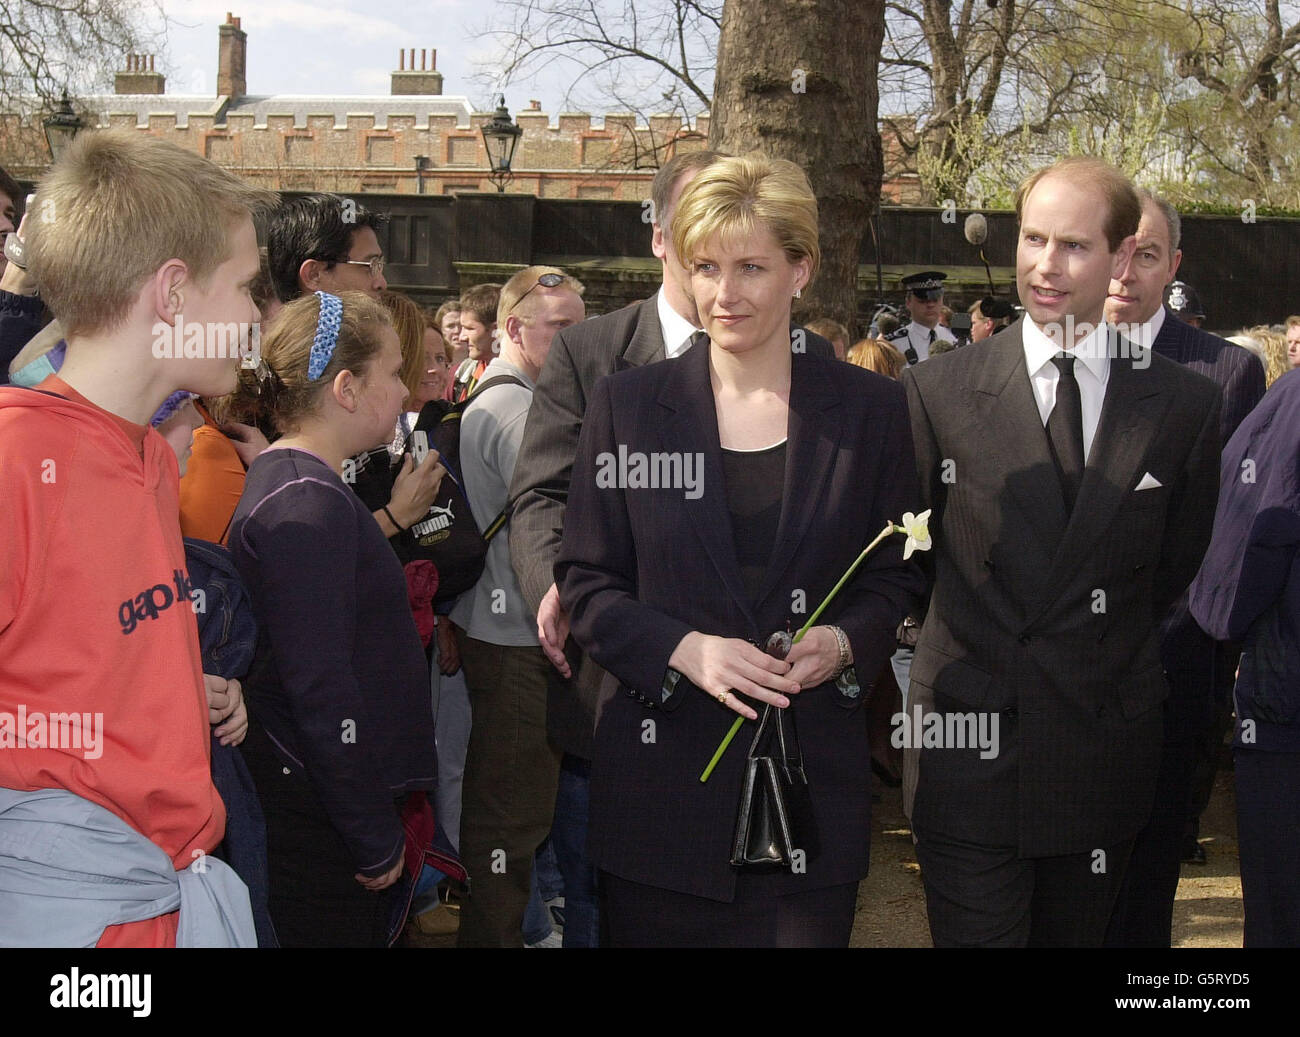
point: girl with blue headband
(341, 737)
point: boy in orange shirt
(134, 239)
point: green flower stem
(887, 531)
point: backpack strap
(497, 524)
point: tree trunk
(796, 79)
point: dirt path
(891, 902)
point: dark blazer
(580, 356)
(1249, 586)
(1238, 373)
(641, 568)
(1016, 624)
(1190, 656)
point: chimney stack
(139, 77)
(232, 59)
(411, 81)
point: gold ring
(722, 697)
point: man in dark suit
(1194, 663)
(1073, 482)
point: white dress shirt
(918, 336)
(676, 329)
(1091, 371)
(1144, 335)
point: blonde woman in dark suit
(774, 468)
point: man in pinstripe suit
(1194, 662)
(1073, 483)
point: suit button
(1101, 712)
(1138, 568)
(988, 565)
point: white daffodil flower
(917, 528)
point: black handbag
(775, 821)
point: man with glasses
(325, 243)
(925, 303)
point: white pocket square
(1149, 482)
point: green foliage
(1192, 98)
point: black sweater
(339, 680)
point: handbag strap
(756, 746)
(790, 763)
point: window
(462, 151)
(379, 151)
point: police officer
(1184, 303)
(924, 302)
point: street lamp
(60, 127)
(501, 137)
(421, 165)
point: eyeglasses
(546, 281)
(376, 264)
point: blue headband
(327, 334)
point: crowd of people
(435, 618)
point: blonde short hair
(114, 209)
(409, 321)
(735, 195)
(522, 284)
(875, 354)
(1275, 360)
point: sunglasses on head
(546, 281)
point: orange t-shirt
(96, 621)
(211, 486)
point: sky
(341, 47)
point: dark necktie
(1065, 430)
(910, 352)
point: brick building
(416, 140)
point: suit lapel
(647, 343)
(1131, 413)
(1014, 440)
(690, 427)
(813, 437)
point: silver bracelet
(846, 658)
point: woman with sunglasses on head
(341, 729)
